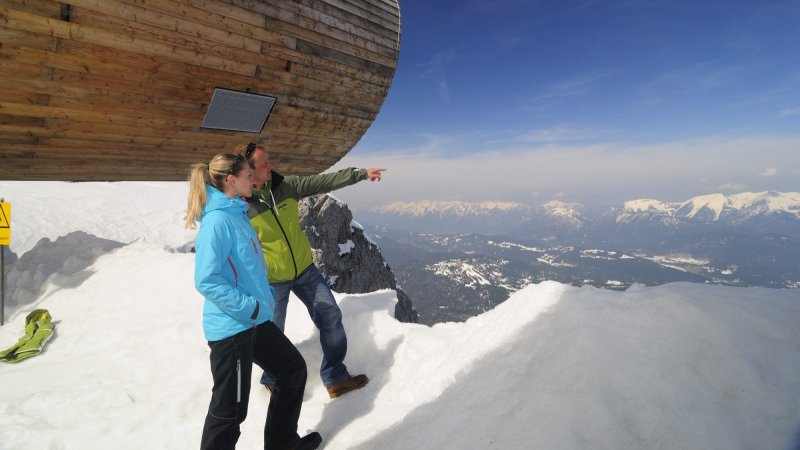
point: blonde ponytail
(214, 174)
(197, 194)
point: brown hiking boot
(351, 383)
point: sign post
(5, 239)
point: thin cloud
(696, 78)
(769, 172)
(419, 145)
(437, 143)
(434, 69)
(560, 133)
(733, 187)
(768, 94)
(599, 174)
(789, 112)
(573, 87)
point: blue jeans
(312, 289)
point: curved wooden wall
(117, 89)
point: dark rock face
(350, 262)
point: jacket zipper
(272, 209)
(291, 252)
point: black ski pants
(231, 366)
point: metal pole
(2, 285)
(2, 282)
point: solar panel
(237, 111)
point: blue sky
(595, 102)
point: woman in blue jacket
(231, 274)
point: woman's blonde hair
(214, 174)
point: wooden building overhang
(117, 89)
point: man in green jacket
(274, 215)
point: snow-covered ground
(680, 366)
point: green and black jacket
(275, 218)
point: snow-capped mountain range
(716, 207)
(499, 217)
(568, 213)
(478, 255)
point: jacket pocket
(254, 316)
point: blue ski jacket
(229, 269)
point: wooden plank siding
(117, 89)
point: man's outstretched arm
(319, 184)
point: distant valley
(464, 267)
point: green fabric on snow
(38, 329)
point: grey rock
(350, 262)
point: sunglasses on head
(236, 165)
(251, 147)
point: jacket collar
(275, 181)
(217, 200)
(270, 185)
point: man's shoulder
(256, 204)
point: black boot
(309, 441)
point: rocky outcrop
(344, 254)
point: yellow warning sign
(5, 223)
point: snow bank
(555, 367)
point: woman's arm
(215, 275)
